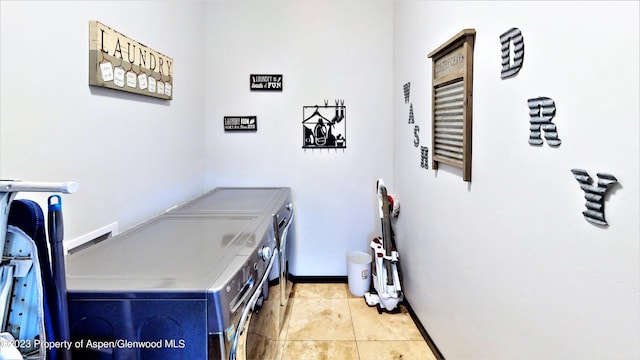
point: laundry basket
(358, 272)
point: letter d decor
(121, 63)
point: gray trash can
(358, 272)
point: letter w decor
(121, 63)
(452, 102)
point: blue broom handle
(56, 236)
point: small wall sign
(265, 82)
(240, 123)
(121, 63)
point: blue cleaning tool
(56, 236)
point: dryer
(276, 202)
(174, 287)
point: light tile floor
(327, 322)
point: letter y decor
(121, 63)
(594, 194)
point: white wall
(132, 155)
(506, 267)
(135, 156)
(325, 50)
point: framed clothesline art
(324, 126)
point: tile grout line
(353, 325)
(286, 324)
(338, 294)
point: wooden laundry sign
(121, 63)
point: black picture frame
(240, 123)
(265, 82)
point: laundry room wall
(326, 51)
(506, 266)
(132, 155)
